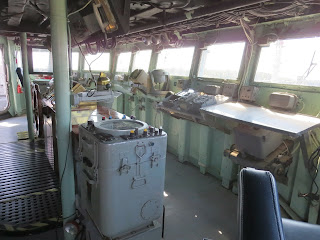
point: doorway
(4, 98)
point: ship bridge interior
(159, 119)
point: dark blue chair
(259, 215)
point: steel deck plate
(29, 195)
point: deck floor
(3, 102)
(10, 127)
(197, 206)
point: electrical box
(249, 93)
(286, 101)
(230, 90)
(212, 89)
(121, 175)
(139, 76)
(256, 142)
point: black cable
(311, 66)
(89, 64)
(69, 50)
(57, 223)
(107, 43)
(315, 155)
(95, 60)
(162, 8)
(60, 184)
(155, 5)
(313, 171)
(64, 169)
(83, 56)
(163, 220)
(89, 49)
(228, 17)
(65, 163)
(88, 93)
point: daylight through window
(123, 62)
(176, 61)
(221, 61)
(75, 61)
(98, 62)
(42, 60)
(142, 60)
(294, 62)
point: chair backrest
(258, 206)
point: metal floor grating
(21, 146)
(29, 196)
(50, 150)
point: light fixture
(104, 15)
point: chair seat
(259, 214)
(295, 230)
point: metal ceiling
(32, 16)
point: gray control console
(187, 103)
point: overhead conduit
(227, 5)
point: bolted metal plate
(30, 213)
(29, 188)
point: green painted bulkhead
(17, 102)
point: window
(3, 82)
(294, 61)
(75, 61)
(142, 60)
(98, 62)
(18, 58)
(123, 62)
(221, 61)
(176, 61)
(41, 60)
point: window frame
(221, 80)
(253, 67)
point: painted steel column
(113, 63)
(59, 40)
(26, 84)
(133, 55)
(13, 83)
(153, 60)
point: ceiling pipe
(227, 5)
